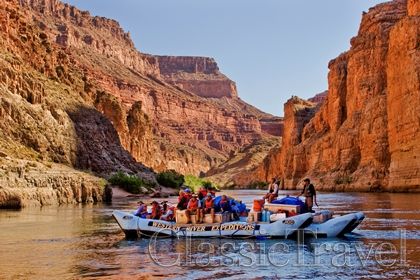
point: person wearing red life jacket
(167, 212)
(183, 200)
(209, 206)
(156, 211)
(194, 208)
(202, 193)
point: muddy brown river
(73, 242)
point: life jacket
(184, 198)
(209, 203)
(156, 211)
(193, 205)
(170, 212)
(202, 194)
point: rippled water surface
(72, 242)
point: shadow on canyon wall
(98, 145)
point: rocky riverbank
(26, 183)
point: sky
(272, 49)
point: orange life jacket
(209, 203)
(156, 211)
(193, 204)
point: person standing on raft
(310, 194)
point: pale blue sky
(272, 49)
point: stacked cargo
(322, 216)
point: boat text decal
(203, 228)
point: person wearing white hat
(194, 208)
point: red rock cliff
(403, 100)
(71, 27)
(366, 135)
(158, 107)
(199, 75)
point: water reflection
(85, 242)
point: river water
(73, 242)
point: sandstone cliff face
(192, 116)
(199, 75)
(298, 113)
(365, 136)
(238, 170)
(70, 27)
(319, 98)
(76, 94)
(403, 100)
(47, 128)
(31, 183)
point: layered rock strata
(192, 116)
(77, 95)
(365, 136)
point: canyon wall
(52, 140)
(403, 100)
(365, 135)
(199, 75)
(77, 99)
(169, 112)
(70, 27)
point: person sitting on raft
(209, 206)
(211, 190)
(236, 212)
(141, 210)
(167, 212)
(202, 193)
(194, 208)
(183, 200)
(273, 191)
(224, 204)
(156, 211)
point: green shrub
(207, 184)
(130, 183)
(170, 179)
(194, 183)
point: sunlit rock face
(365, 135)
(199, 75)
(75, 92)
